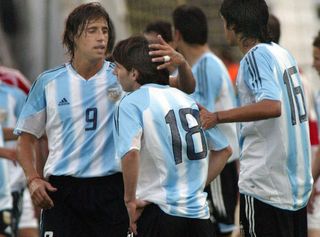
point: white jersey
(275, 157)
(163, 123)
(214, 90)
(12, 100)
(77, 116)
(5, 192)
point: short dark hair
(133, 53)
(316, 41)
(247, 17)
(191, 23)
(274, 28)
(162, 28)
(77, 21)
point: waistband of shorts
(91, 180)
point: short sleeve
(127, 129)
(216, 139)
(261, 76)
(32, 118)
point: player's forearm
(264, 109)
(9, 135)
(316, 165)
(27, 155)
(7, 153)
(130, 170)
(217, 161)
(185, 79)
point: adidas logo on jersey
(63, 102)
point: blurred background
(31, 30)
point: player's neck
(193, 52)
(246, 44)
(86, 69)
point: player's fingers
(50, 188)
(162, 41)
(163, 66)
(133, 228)
(46, 201)
(159, 53)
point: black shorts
(5, 223)
(86, 207)
(17, 198)
(262, 220)
(222, 199)
(156, 223)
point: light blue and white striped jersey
(163, 123)
(12, 100)
(214, 90)
(275, 155)
(77, 115)
(5, 192)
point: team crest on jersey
(114, 92)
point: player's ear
(134, 73)
(176, 35)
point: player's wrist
(31, 179)
(129, 201)
(217, 117)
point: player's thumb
(50, 188)
(200, 106)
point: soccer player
(314, 203)
(163, 149)
(12, 100)
(215, 91)
(275, 173)
(82, 193)
(5, 193)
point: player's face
(229, 34)
(92, 43)
(125, 77)
(316, 59)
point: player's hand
(161, 49)
(135, 209)
(39, 193)
(314, 194)
(208, 119)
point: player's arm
(185, 80)
(8, 134)
(27, 151)
(7, 153)
(130, 171)
(264, 109)
(316, 165)
(315, 174)
(217, 161)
